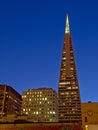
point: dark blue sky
(31, 39)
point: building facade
(10, 101)
(68, 88)
(41, 105)
(89, 115)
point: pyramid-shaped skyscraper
(68, 88)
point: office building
(10, 101)
(41, 105)
(68, 88)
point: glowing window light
(86, 127)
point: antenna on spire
(67, 27)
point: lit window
(45, 98)
(62, 83)
(42, 98)
(50, 119)
(53, 112)
(24, 96)
(62, 115)
(64, 51)
(67, 82)
(64, 58)
(27, 92)
(37, 112)
(69, 87)
(71, 68)
(75, 87)
(30, 99)
(23, 109)
(67, 93)
(15, 101)
(50, 112)
(63, 104)
(26, 113)
(73, 82)
(71, 57)
(86, 127)
(62, 93)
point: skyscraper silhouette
(68, 88)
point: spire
(67, 27)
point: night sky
(31, 40)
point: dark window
(85, 119)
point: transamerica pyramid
(68, 88)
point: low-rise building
(89, 115)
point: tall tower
(68, 88)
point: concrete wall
(39, 126)
(92, 127)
